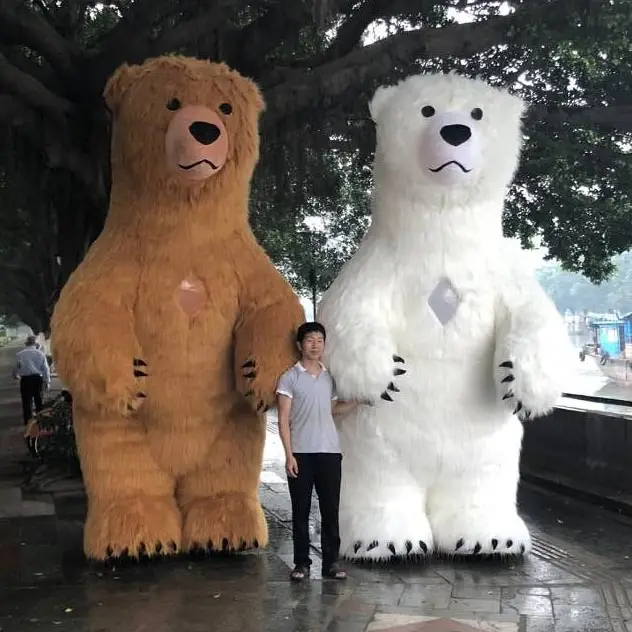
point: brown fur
(178, 467)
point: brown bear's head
(183, 122)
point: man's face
(313, 346)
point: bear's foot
(135, 527)
(383, 535)
(229, 522)
(479, 532)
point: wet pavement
(579, 577)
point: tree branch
(18, 22)
(349, 33)
(43, 73)
(138, 36)
(614, 117)
(369, 63)
(12, 110)
(58, 151)
(250, 45)
(186, 33)
(361, 68)
(130, 34)
(31, 91)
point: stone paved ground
(579, 577)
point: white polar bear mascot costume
(435, 324)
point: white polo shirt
(312, 427)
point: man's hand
(291, 466)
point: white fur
(439, 463)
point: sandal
(299, 573)
(336, 572)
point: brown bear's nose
(205, 133)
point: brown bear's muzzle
(196, 142)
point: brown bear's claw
(250, 369)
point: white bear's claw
(373, 550)
(496, 546)
(508, 379)
(396, 372)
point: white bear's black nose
(205, 133)
(455, 134)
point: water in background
(587, 379)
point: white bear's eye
(477, 114)
(427, 111)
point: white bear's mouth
(450, 162)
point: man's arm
(340, 408)
(284, 406)
(45, 369)
(16, 367)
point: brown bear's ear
(118, 84)
(255, 96)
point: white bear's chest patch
(444, 301)
(448, 314)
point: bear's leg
(131, 504)
(382, 507)
(475, 512)
(220, 500)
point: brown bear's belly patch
(191, 296)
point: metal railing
(611, 401)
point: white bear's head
(447, 135)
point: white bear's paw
(473, 532)
(528, 397)
(381, 538)
(397, 371)
(371, 378)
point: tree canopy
(574, 292)
(318, 63)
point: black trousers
(31, 387)
(322, 471)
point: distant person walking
(31, 368)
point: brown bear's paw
(251, 387)
(132, 528)
(117, 387)
(227, 522)
(136, 394)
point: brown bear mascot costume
(173, 331)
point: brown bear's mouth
(195, 164)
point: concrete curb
(572, 489)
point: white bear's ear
(515, 104)
(381, 96)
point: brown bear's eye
(226, 108)
(174, 104)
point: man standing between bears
(307, 401)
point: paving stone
(407, 623)
(522, 601)
(426, 597)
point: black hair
(309, 328)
